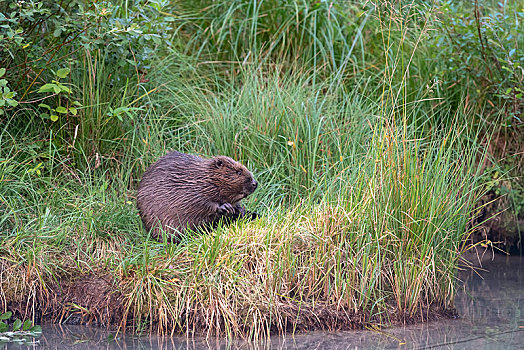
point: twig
(38, 99)
(482, 48)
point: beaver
(184, 191)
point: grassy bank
(369, 167)
(361, 223)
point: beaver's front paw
(226, 208)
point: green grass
(357, 215)
(368, 173)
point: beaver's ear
(219, 163)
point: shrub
(52, 56)
(482, 48)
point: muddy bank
(498, 224)
(489, 307)
(97, 301)
(87, 300)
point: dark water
(490, 306)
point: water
(490, 308)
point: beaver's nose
(254, 184)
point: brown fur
(183, 191)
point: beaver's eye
(239, 172)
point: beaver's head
(232, 180)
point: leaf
(110, 338)
(36, 329)
(120, 110)
(54, 118)
(2, 72)
(65, 88)
(156, 40)
(12, 103)
(61, 109)
(43, 105)
(47, 88)
(73, 110)
(27, 325)
(16, 325)
(62, 73)
(3, 327)
(6, 316)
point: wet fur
(182, 191)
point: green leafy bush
(73, 69)
(40, 32)
(41, 41)
(483, 48)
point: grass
(360, 223)
(368, 180)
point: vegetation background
(386, 136)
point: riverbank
(195, 293)
(488, 305)
(361, 223)
(358, 260)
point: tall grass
(248, 32)
(294, 136)
(357, 217)
(372, 214)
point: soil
(94, 300)
(501, 217)
(499, 226)
(89, 300)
